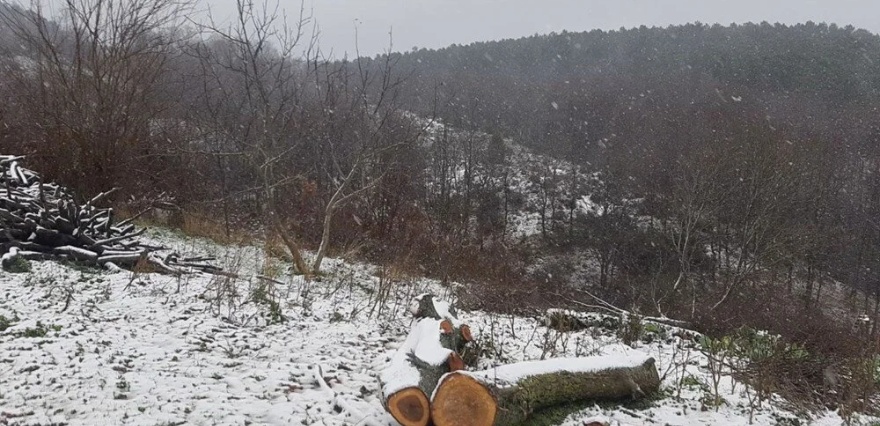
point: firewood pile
(44, 221)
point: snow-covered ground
(87, 347)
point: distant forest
(815, 80)
(758, 139)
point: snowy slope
(87, 347)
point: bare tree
(295, 116)
(89, 80)
(696, 193)
(252, 88)
(753, 212)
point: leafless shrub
(92, 86)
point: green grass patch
(41, 330)
(19, 265)
(7, 322)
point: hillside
(84, 346)
(551, 90)
(751, 146)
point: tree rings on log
(466, 333)
(463, 401)
(410, 407)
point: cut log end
(455, 362)
(446, 326)
(410, 407)
(466, 333)
(460, 400)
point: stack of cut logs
(437, 344)
(425, 381)
(43, 221)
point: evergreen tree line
(736, 162)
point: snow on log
(413, 372)
(510, 394)
(455, 334)
(428, 306)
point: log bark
(428, 306)
(509, 395)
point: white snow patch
(423, 343)
(149, 349)
(9, 256)
(513, 373)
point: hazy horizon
(440, 23)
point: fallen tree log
(433, 347)
(508, 395)
(565, 320)
(76, 253)
(413, 372)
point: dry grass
(144, 267)
(190, 222)
(273, 268)
(195, 224)
(274, 247)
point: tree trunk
(510, 394)
(325, 238)
(298, 262)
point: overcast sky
(439, 23)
